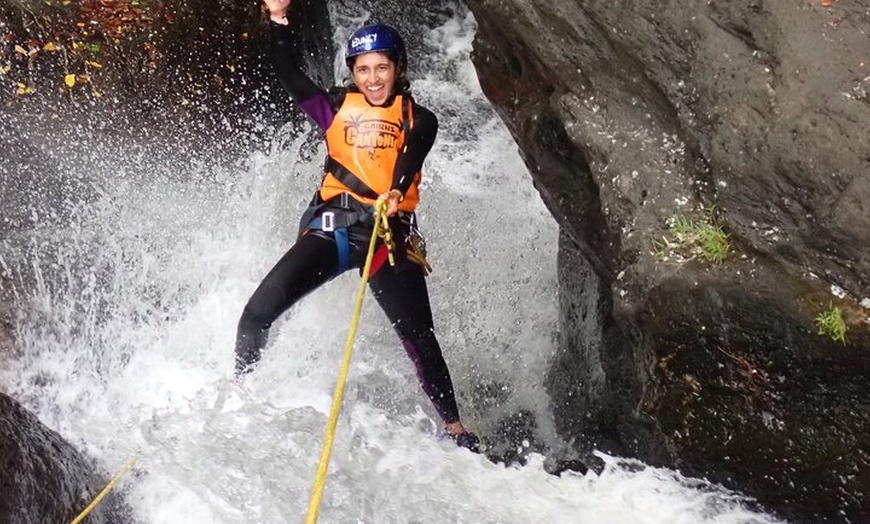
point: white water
(130, 344)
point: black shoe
(467, 440)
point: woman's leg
(311, 262)
(404, 298)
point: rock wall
(45, 479)
(196, 72)
(751, 116)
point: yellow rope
(105, 491)
(381, 229)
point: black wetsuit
(313, 260)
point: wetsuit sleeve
(313, 100)
(418, 143)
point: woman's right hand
(278, 10)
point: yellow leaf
(5, 69)
(93, 64)
(20, 50)
(70, 80)
(24, 89)
(97, 94)
(49, 47)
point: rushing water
(128, 340)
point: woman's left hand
(392, 197)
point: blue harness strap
(342, 242)
(343, 245)
(337, 225)
(337, 221)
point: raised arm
(313, 100)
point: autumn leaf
(70, 80)
(20, 50)
(49, 47)
(93, 64)
(24, 89)
(5, 69)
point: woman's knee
(263, 308)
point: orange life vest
(364, 142)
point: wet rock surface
(751, 115)
(45, 479)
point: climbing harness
(382, 230)
(105, 491)
(343, 212)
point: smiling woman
(374, 75)
(377, 138)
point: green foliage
(831, 323)
(694, 238)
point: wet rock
(752, 115)
(191, 73)
(6, 338)
(44, 479)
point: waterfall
(129, 299)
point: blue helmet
(377, 38)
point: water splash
(130, 319)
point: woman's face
(374, 75)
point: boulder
(750, 117)
(45, 479)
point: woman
(377, 137)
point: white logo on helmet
(364, 41)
